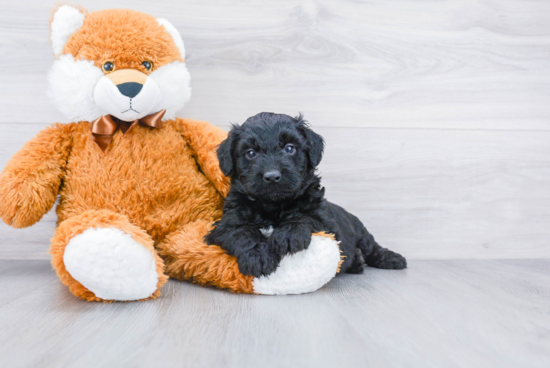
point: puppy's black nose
(272, 176)
(130, 89)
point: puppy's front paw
(290, 239)
(388, 260)
(258, 262)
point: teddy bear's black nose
(130, 89)
(272, 176)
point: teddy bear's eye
(147, 65)
(108, 67)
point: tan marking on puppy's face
(125, 38)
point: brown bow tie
(104, 127)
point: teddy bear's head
(116, 62)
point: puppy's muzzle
(272, 176)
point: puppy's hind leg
(358, 263)
(376, 256)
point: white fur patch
(302, 272)
(174, 33)
(71, 86)
(111, 264)
(267, 231)
(66, 21)
(174, 82)
(108, 98)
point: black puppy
(271, 160)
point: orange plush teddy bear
(138, 187)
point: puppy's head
(271, 157)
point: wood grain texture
(444, 193)
(477, 64)
(435, 112)
(434, 314)
(424, 193)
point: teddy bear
(138, 188)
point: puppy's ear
(226, 149)
(315, 143)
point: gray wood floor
(459, 313)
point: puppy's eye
(290, 149)
(108, 67)
(250, 154)
(147, 65)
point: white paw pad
(302, 272)
(112, 265)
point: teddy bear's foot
(101, 256)
(305, 271)
(111, 264)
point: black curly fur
(295, 205)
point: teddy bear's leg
(101, 256)
(187, 257)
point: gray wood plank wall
(436, 113)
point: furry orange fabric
(187, 258)
(154, 176)
(149, 183)
(123, 37)
(31, 179)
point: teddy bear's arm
(30, 181)
(204, 139)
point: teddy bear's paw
(304, 271)
(111, 264)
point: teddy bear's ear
(174, 33)
(66, 20)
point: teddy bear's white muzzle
(127, 101)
